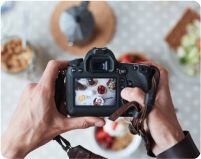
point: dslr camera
(92, 86)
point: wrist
(12, 149)
(170, 138)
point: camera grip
(145, 77)
(60, 93)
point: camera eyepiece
(99, 60)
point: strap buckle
(63, 142)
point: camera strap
(137, 122)
(77, 152)
(136, 126)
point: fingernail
(99, 124)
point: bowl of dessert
(115, 140)
(15, 58)
(132, 57)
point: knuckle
(44, 89)
(85, 124)
(52, 63)
(164, 72)
(29, 87)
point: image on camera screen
(95, 91)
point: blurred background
(140, 27)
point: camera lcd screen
(95, 91)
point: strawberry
(132, 58)
(114, 125)
(104, 139)
(125, 59)
(100, 134)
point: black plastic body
(142, 76)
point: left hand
(36, 119)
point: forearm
(13, 148)
(12, 153)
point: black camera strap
(77, 152)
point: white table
(141, 26)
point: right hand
(162, 121)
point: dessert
(184, 40)
(111, 84)
(98, 101)
(14, 58)
(92, 82)
(101, 89)
(81, 98)
(132, 58)
(114, 136)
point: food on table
(111, 84)
(98, 101)
(14, 58)
(81, 98)
(114, 136)
(95, 91)
(132, 58)
(101, 89)
(92, 82)
(184, 39)
(79, 86)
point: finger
(133, 94)
(51, 72)
(82, 123)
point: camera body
(93, 85)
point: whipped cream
(119, 129)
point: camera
(92, 86)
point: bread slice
(173, 38)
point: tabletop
(140, 26)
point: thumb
(82, 123)
(133, 94)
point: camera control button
(75, 62)
(130, 83)
(122, 86)
(73, 70)
(142, 68)
(80, 70)
(123, 71)
(117, 70)
(135, 67)
(122, 80)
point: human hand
(162, 121)
(36, 119)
